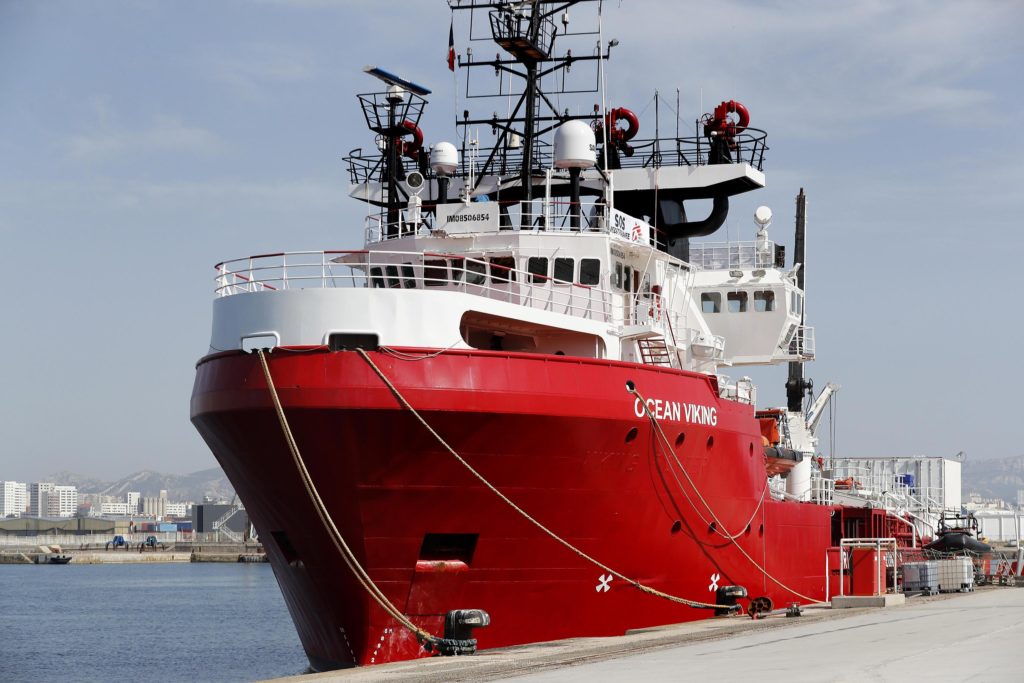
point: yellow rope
(718, 522)
(325, 517)
(633, 582)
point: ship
(506, 418)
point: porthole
(680, 438)
(631, 434)
(711, 442)
(677, 526)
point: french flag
(451, 46)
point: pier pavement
(949, 637)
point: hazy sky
(142, 142)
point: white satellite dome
(575, 146)
(444, 158)
(763, 216)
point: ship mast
(528, 33)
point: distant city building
(13, 498)
(63, 501)
(176, 509)
(39, 493)
(134, 498)
(117, 509)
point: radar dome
(575, 146)
(444, 158)
(763, 216)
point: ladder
(654, 351)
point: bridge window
(476, 272)
(435, 273)
(503, 269)
(627, 279)
(590, 271)
(617, 277)
(538, 268)
(392, 272)
(377, 277)
(764, 301)
(564, 269)
(737, 302)
(409, 276)
(711, 302)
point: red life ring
(719, 124)
(611, 121)
(412, 147)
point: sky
(142, 142)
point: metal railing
(801, 344)
(487, 277)
(730, 255)
(750, 147)
(537, 216)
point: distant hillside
(997, 478)
(179, 487)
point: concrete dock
(975, 636)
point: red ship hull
(559, 436)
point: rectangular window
(617, 278)
(711, 302)
(564, 268)
(392, 272)
(737, 302)
(435, 273)
(458, 270)
(377, 277)
(764, 301)
(538, 268)
(409, 276)
(476, 272)
(627, 279)
(503, 269)
(590, 271)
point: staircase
(654, 351)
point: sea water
(145, 622)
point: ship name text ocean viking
(694, 413)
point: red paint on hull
(553, 434)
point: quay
(946, 637)
(162, 552)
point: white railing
(728, 255)
(485, 277)
(801, 344)
(537, 216)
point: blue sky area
(142, 142)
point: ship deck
(894, 644)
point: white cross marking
(604, 581)
(714, 583)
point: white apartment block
(63, 501)
(133, 501)
(117, 509)
(176, 509)
(13, 498)
(39, 493)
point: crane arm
(818, 407)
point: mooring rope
(325, 517)
(714, 517)
(633, 582)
